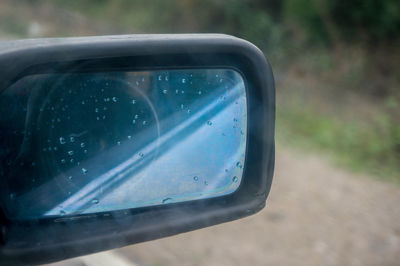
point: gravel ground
(316, 214)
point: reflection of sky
(199, 153)
(203, 164)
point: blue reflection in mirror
(79, 143)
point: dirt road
(316, 215)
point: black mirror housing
(56, 238)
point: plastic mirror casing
(53, 239)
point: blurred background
(336, 193)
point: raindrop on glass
(114, 99)
(209, 123)
(183, 80)
(72, 139)
(70, 153)
(235, 179)
(82, 145)
(166, 200)
(84, 171)
(196, 178)
(62, 140)
(95, 201)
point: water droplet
(220, 80)
(183, 80)
(62, 212)
(199, 92)
(209, 123)
(166, 78)
(72, 139)
(235, 120)
(142, 79)
(133, 101)
(129, 137)
(196, 178)
(166, 200)
(176, 91)
(235, 179)
(136, 116)
(95, 201)
(33, 163)
(104, 117)
(133, 121)
(62, 160)
(188, 111)
(97, 118)
(104, 108)
(96, 110)
(226, 170)
(55, 148)
(12, 196)
(114, 99)
(159, 77)
(141, 155)
(137, 83)
(70, 177)
(144, 122)
(118, 143)
(205, 183)
(83, 102)
(44, 149)
(238, 164)
(62, 140)
(70, 153)
(241, 132)
(82, 145)
(165, 91)
(182, 106)
(85, 151)
(183, 92)
(84, 171)
(71, 161)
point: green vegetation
(338, 47)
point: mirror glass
(79, 143)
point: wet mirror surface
(74, 143)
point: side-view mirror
(109, 141)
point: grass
(369, 146)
